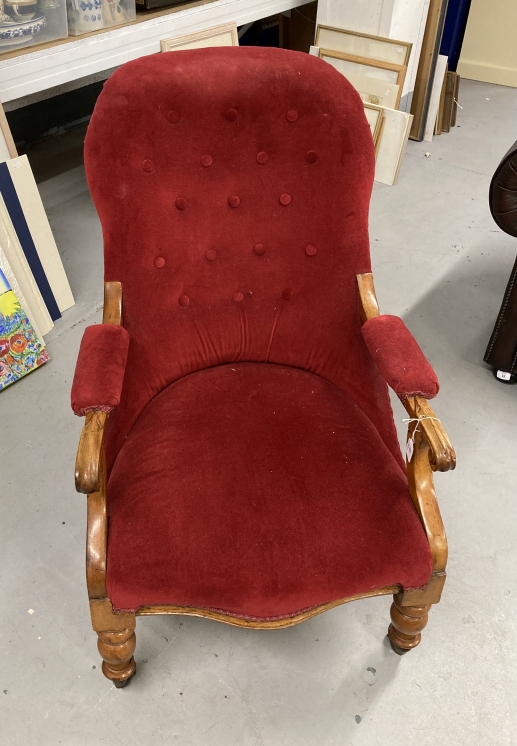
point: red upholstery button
(287, 294)
(181, 203)
(262, 157)
(184, 300)
(211, 255)
(234, 201)
(207, 160)
(147, 165)
(311, 156)
(259, 249)
(285, 199)
(292, 115)
(159, 262)
(238, 296)
(173, 116)
(310, 249)
(231, 115)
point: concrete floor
(441, 263)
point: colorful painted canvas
(20, 349)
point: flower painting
(20, 349)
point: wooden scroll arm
(441, 452)
(89, 452)
(90, 469)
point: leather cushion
(503, 193)
(258, 490)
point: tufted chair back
(233, 187)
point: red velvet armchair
(239, 452)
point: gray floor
(441, 264)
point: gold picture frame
(372, 90)
(367, 67)
(224, 35)
(375, 118)
(363, 45)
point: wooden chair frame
(409, 611)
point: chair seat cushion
(258, 490)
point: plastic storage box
(24, 23)
(85, 16)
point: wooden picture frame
(426, 68)
(374, 115)
(224, 35)
(373, 90)
(363, 45)
(366, 67)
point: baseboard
(487, 73)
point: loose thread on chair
(410, 444)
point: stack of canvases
(34, 289)
(376, 67)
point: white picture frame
(7, 146)
(39, 227)
(224, 35)
(434, 101)
(392, 145)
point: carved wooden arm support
(89, 453)
(432, 452)
(90, 469)
(441, 452)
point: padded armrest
(100, 369)
(399, 358)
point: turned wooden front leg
(116, 649)
(116, 640)
(407, 622)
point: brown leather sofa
(501, 352)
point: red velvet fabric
(255, 466)
(399, 358)
(233, 187)
(100, 368)
(259, 490)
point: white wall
(489, 50)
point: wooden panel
(426, 67)
(112, 313)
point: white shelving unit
(30, 71)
